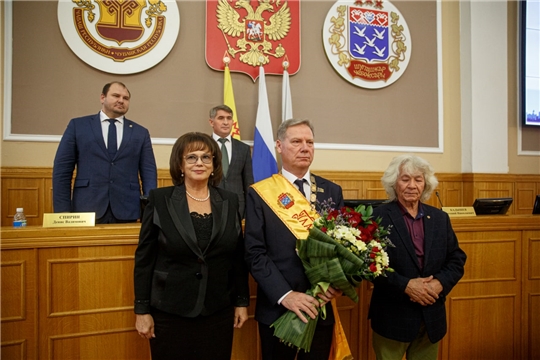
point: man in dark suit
(270, 248)
(237, 168)
(407, 309)
(110, 152)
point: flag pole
(286, 98)
(228, 96)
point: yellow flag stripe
(228, 99)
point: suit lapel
(95, 125)
(178, 209)
(428, 233)
(401, 229)
(126, 136)
(322, 189)
(234, 155)
(220, 214)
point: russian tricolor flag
(264, 151)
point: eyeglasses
(192, 159)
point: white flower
(385, 259)
(360, 245)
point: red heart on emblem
(356, 15)
(382, 19)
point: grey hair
(215, 109)
(292, 122)
(409, 164)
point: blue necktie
(300, 184)
(111, 139)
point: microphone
(438, 197)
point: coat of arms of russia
(367, 42)
(119, 36)
(252, 34)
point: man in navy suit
(271, 249)
(407, 309)
(239, 174)
(109, 152)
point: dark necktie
(224, 155)
(300, 184)
(111, 139)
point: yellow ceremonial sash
(286, 201)
(293, 209)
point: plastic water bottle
(19, 219)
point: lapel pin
(321, 190)
(429, 217)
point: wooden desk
(67, 293)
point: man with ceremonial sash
(278, 213)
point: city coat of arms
(367, 41)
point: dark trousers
(273, 349)
(200, 338)
(108, 218)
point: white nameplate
(69, 219)
(459, 211)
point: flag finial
(285, 62)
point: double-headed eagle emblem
(256, 34)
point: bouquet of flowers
(344, 247)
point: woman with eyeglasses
(191, 281)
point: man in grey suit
(236, 156)
(110, 153)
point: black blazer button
(198, 276)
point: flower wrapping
(343, 248)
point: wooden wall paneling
(491, 285)
(81, 310)
(349, 316)
(488, 186)
(31, 188)
(451, 193)
(25, 193)
(352, 189)
(525, 195)
(246, 344)
(531, 294)
(19, 304)
(373, 189)
(164, 178)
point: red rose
(375, 249)
(365, 235)
(332, 215)
(372, 255)
(373, 267)
(323, 229)
(372, 227)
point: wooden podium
(67, 293)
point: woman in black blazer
(191, 283)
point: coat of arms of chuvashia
(253, 33)
(367, 42)
(114, 35)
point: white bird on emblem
(379, 35)
(378, 52)
(359, 49)
(359, 32)
(370, 43)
